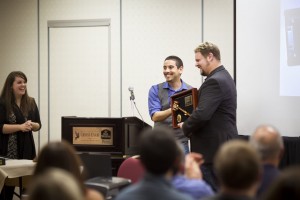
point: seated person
(63, 156)
(59, 185)
(187, 176)
(238, 168)
(269, 144)
(159, 154)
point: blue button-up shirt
(153, 99)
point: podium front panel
(117, 136)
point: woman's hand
(27, 126)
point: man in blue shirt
(159, 97)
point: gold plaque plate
(182, 105)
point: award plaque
(182, 105)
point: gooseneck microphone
(130, 88)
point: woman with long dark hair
(19, 116)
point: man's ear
(180, 69)
(210, 56)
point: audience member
(189, 178)
(269, 144)
(286, 186)
(238, 168)
(63, 156)
(55, 184)
(160, 156)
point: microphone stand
(132, 104)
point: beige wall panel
(80, 10)
(153, 30)
(19, 44)
(218, 24)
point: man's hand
(193, 161)
(180, 125)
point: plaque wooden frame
(185, 101)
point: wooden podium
(117, 136)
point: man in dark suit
(213, 122)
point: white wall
(143, 34)
(218, 28)
(19, 43)
(153, 30)
(77, 10)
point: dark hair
(59, 155)
(177, 60)
(159, 150)
(237, 165)
(8, 97)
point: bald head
(268, 142)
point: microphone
(130, 88)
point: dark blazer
(214, 120)
(270, 173)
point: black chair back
(96, 165)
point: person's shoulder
(220, 77)
(186, 85)
(155, 88)
(221, 72)
(162, 84)
(31, 101)
(31, 98)
(127, 193)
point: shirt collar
(221, 67)
(183, 86)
